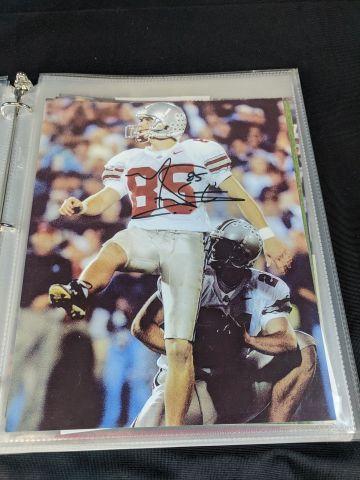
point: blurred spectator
(63, 185)
(45, 264)
(90, 186)
(277, 177)
(135, 287)
(127, 361)
(238, 153)
(255, 137)
(71, 384)
(196, 123)
(38, 330)
(270, 206)
(81, 151)
(81, 249)
(282, 139)
(258, 144)
(257, 178)
(289, 203)
(49, 129)
(282, 160)
(60, 159)
(246, 113)
(299, 279)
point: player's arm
(275, 251)
(146, 325)
(246, 203)
(277, 337)
(93, 205)
(114, 189)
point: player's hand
(71, 206)
(277, 254)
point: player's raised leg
(289, 391)
(124, 251)
(99, 272)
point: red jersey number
(143, 182)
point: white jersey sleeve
(113, 175)
(278, 302)
(216, 161)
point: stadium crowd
(78, 138)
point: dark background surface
(322, 39)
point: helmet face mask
(234, 245)
(138, 132)
(231, 253)
(166, 120)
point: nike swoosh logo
(180, 151)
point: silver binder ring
(10, 105)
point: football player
(168, 184)
(247, 356)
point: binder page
(172, 287)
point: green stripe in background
(296, 162)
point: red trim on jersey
(216, 160)
(225, 165)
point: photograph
(168, 278)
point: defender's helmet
(168, 121)
(235, 244)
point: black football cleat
(70, 297)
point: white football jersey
(260, 298)
(168, 189)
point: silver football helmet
(168, 121)
(235, 243)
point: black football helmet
(235, 244)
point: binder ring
(18, 105)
